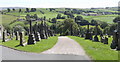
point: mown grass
(41, 46)
(104, 18)
(97, 50)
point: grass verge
(97, 50)
(41, 46)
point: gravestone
(102, 38)
(11, 36)
(46, 29)
(106, 40)
(82, 35)
(31, 38)
(42, 35)
(118, 48)
(17, 35)
(22, 41)
(37, 36)
(114, 43)
(51, 33)
(3, 40)
(88, 35)
(96, 37)
(42, 30)
(116, 38)
(36, 33)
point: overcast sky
(59, 3)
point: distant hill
(4, 8)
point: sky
(59, 3)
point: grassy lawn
(97, 50)
(41, 46)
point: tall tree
(13, 9)
(27, 10)
(8, 9)
(20, 10)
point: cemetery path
(66, 48)
(10, 54)
(66, 45)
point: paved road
(73, 48)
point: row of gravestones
(89, 35)
(104, 39)
(36, 34)
(20, 36)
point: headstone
(42, 35)
(115, 40)
(3, 40)
(96, 38)
(51, 33)
(31, 38)
(22, 41)
(17, 35)
(118, 48)
(88, 35)
(102, 38)
(11, 36)
(46, 30)
(82, 35)
(106, 40)
(37, 37)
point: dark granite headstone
(3, 40)
(88, 35)
(31, 38)
(115, 40)
(17, 35)
(106, 40)
(118, 48)
(96, 39)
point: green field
(6, 19)
(104, 18)
(41, 46)
(97, 50)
